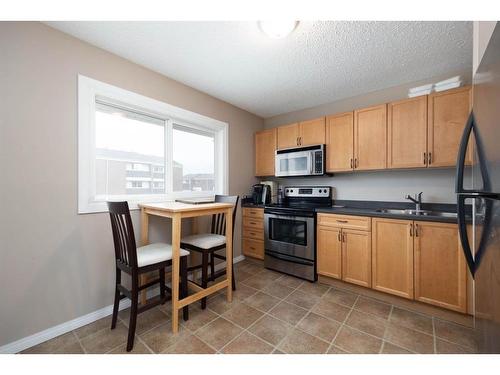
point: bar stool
(209, 243)
(137, 261)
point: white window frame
(89, 90)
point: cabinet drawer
(253, 223)
(253, 212)
(253, 248)
(253, 234)
(345, 221)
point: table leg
(229, 253)
(144, 241)
(176, 245)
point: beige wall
(437, 184)
(56, 265)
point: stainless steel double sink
(416, 213)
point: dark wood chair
(137, 261)
(209, 243)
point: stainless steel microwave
(300, 161)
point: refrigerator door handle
(462, 152)
(464, 237)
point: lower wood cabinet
(392, 256)
(329, 252)
(343, 253)
(253, 232)
(356, 257)
(440, 268)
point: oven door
(294, 164)
(289, 235)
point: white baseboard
(60, 329)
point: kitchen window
(139, 149)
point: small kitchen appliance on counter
(261, 194)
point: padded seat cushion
(205, 240)
(156, 253)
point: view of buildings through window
(130, 155)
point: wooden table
(178, 211)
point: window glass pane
(193, 156)
(130, 152)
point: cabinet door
(448, 113)
(312, 132)
(370, 138)
(253, 248)
(392, 256)
(329, 252)
(340, 142)
(288, 136)
(265, 148)
(356, 257)
(440, 269)
(407, 133)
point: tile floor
(274, 313)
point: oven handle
(288, 259)
(279, 215)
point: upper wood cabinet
(370, 138)
(340, 142)
(407, 133)
(304, 133)
(448, 113)
(312, 132)
(440, 269)
(288, 136)
(265, 148)
(392, 256)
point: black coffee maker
(261, 194)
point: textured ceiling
(319, 62)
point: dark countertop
(369, 208)
(251, 205)
(373, 213)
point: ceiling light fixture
(277, 29)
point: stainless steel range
(289, 230)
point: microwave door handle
(311, 163)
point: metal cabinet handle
(344, 236)
(342, 221)
(351, 164)
(425, 158)
(355, 162)
(430, 158)
(338, 237)
(411, 230)
(416, 230)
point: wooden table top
(173, 207)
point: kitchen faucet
(417, 200)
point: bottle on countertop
(280, 194)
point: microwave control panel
(318, 162)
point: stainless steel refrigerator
(478, 187)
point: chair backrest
(123, 233)
(219, 220)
